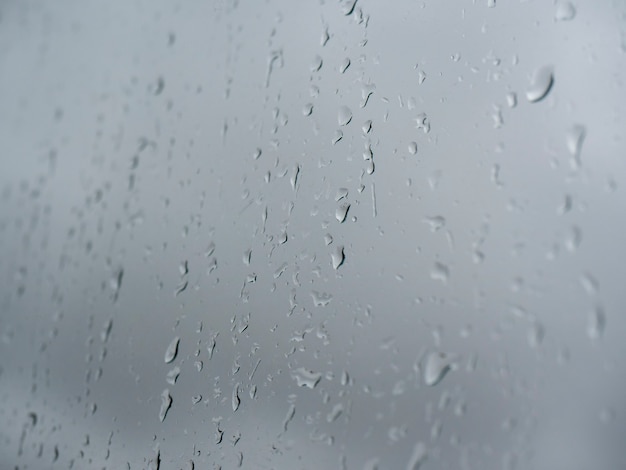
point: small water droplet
(421, 77)
(236, 401)
(335, 413)
(574, 140)
(337, 257)
(418, 457)
(436, 222)
(511, 99)
(412, 148)
(367, 126)
(437, 366)
(342, 212)
(337, 136)
(573, 239)
(344, 116)
(172, 350)
(307, 109)
(589, 283)
(257, 153)
(172, 375)
(328, 239)
(565, 11)
(345, 63)
(316, 64)
(306, 378)
(325, 37)
(341, 194)
(166, 403)
(347, 6)
(536, 334)
(321, 299)
(196, 399)
(596, 323)
(541, 84)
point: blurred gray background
(182, 287)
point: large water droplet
(565, 11)
(166, 403)
(437, 366)
(541, 84)
(172, 375)
(344, 116)
(172, 350)
(306, 378)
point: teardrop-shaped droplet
(172, 350)
(344, 116)
(437, 366)
(541, 84)
(166, 403)
(307, 109)
(412, 148)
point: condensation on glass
(312, 235)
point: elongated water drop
(337, 257)
(166, 403)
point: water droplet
(412, 148)
(421, 77)
(172, 375)
(366, 92)
(321, 299)
(574, 140)
(236, 401)
(418, 457)
(257, 153)
(306, 378)
(541, 84)
(325, 37)
(337, 257)
(589, 283)
(316, 64)
(328, 239)
(344, 116)
(511, 100)
(166, 403)
(307, 109)
(573, 239)
(596, 323)
(347, 6)
(367, 126)
(337, 136)
(341, 194)
(345, 63)
(172, 350)
(196, 399)
(422, 122)
(342, 212)
(437, 366)
(106, 330)
(335, 413)
(565, 11)
(289, 416)
(436, 222)
(536, 334)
